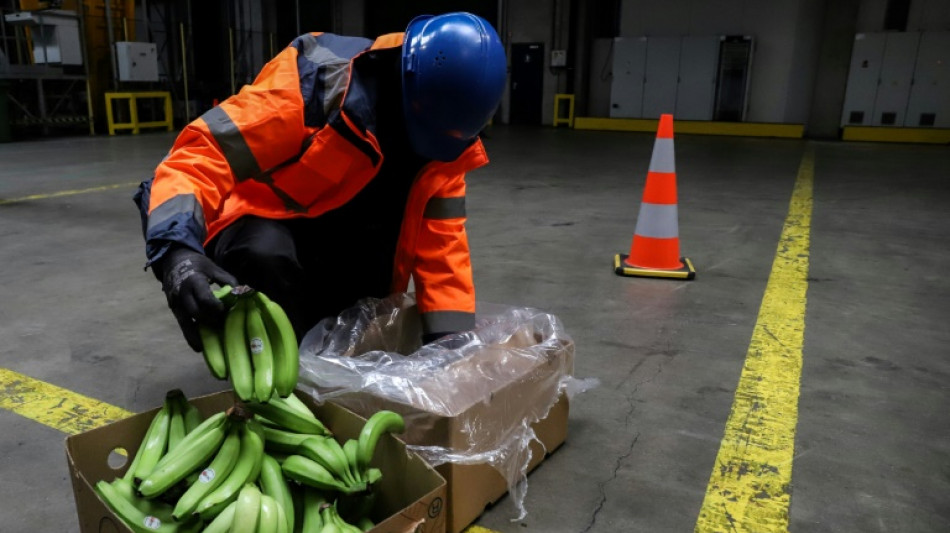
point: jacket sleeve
(442, 271)
(246, 134)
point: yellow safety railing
(569, 119)
(134, 123)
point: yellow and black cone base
(621, 268)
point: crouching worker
(337, 175)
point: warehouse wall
(530, 21)
(786, 44)
(834, 60)
(924, 15)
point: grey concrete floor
(545, 218)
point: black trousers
(313, 268)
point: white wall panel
(626, 88)
(699, 61)
(897, 70)
(930, 92)
(660, 80)
(863, 76)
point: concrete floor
(545, 218)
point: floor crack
(603, 486)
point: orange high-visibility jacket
(299, 142)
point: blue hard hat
(453, 76)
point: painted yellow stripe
(699, 127)
(478, 529)
(749, 486)
(896, 135)
(54, 406)
(66, 193)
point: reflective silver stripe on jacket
(447, 321)
(658, 221)
(443, 208)
(240, 158)
(180, 204)
(663, 159)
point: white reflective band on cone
(658, 221)
(663, 159)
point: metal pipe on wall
(112, 64)
(184, 70)
(81, 9)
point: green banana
(186, 458)
(236, 351)
(222, 522)
(279, 440)
(245, 470)
(211, 423)
(381, 422)
(311, 473)
(328, 453)
(176, 424)
(226, 295)
(153, 446)
(364, 523)
(138, 521)
(281, 413)
(248, 510)
(312, 503)
(213, 352)
(149, 507)
(193, 417)
(333, 523)
(285, 519)
(212, 476)
(284, 341)
(273, 485)
(267, 523)
(373, 475)
(296, 403)
(349, 449)
(262, 355)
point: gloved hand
(186, 280)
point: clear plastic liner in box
(372, 352)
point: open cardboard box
(484, 408)
(410, 496)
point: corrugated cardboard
(410, 496)
(486, 409)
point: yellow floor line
(749, 489)
(54, 406)
(66, 193)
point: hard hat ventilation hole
(440, 58)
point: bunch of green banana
(254, 511)
(230, 471)
(325, 464)
(257, 348)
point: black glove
(186, 279)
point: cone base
(623, 269)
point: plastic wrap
(456, 394)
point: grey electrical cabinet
(626, 86)
(136, 61)
(897, 70)
(929, 104)
(863, 76)
(662, 73)
(698, 66)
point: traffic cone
(655, 251)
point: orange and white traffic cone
(655, 251)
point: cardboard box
(482, 397)
(410, 496)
